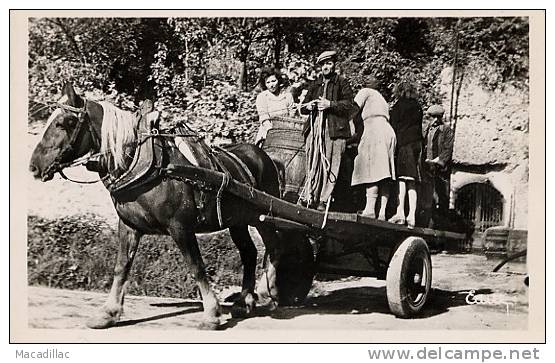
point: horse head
(78, 126)
(66, 136)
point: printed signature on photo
(479, 299)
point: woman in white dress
(374, 165)
(271, 102)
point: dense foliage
(79, 252)
(204, 70)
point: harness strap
(225, 182)
(240, 162)
(247, 174)
(77, 181)
(73, 109)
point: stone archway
(500, 181)
(481, 204)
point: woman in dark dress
(406, 120)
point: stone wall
(491, 142)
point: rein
(77, 181)
(79, 162)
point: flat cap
(435, 110)
(328, 54)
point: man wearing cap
(330, 104)
(437, 154)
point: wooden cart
(340, 243)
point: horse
(164, 205)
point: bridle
(83, 121)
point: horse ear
(72, 98)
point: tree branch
(69, 35)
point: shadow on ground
(192, 307)
(345, 301)
(362, 300)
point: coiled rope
(317, 164)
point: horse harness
(221, 160)
(148, 161)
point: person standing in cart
(272, 101)
(406, 119)
(437, 156)
(374, 165)
(330, 106)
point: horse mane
(118, 130)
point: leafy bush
(220, 111)
(79, 252)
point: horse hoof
(241, 311)
(209, 325)
(101, 322)
(268, 306)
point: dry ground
(357, 304)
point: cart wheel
(296, 270)
(409, 278)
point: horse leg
(245, 305)
(113, 308)
(267, 287)
(188, 245)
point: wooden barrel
(285, 145)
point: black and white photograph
(277, 176)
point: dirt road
(357, 304)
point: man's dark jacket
(342, 107)
(442, 143)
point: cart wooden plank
(348, 225)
